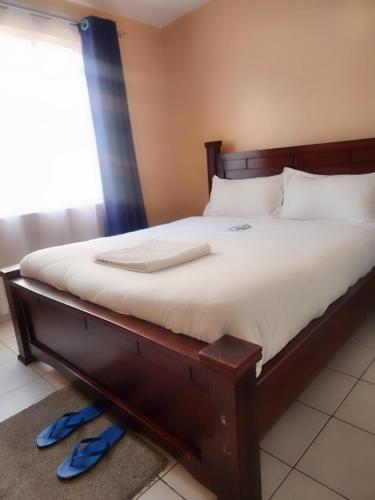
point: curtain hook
(85, 24)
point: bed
(207, 403)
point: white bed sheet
(263, 285)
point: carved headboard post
(213, 149)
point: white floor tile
(6, 354)
(171, 461)
(343, 457)
(292, 434)
(143, 491)
(14, 374)
(327, 390)
(359, 407)
(369, 374)
(297, 486)
(180, 480)
(40, 367)
(273, 473)
(365, 335)
(56, 379)
(160, 491)
(11, 342)
(353, 359)
(6, 329)
(23, 397)
(4, 317)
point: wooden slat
(344, 157)
(363, 155)
(234, 164)
(323, 158)
(276, 162)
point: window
(48, 157)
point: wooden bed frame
(201, 402)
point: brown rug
(30, 474)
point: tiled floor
(323, 448)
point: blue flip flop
(89, 452)
(66, 424)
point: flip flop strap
(63, 423)
(89, 453)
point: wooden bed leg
(18, 316)
(232, 386)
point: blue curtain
(104, 73)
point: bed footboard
(197, 400)
(232, 388)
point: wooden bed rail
(186, 346)
(197, 400)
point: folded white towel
(153, 255)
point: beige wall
(255, 73)
(266, 73)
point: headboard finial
(213, 149)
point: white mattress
(262, 285)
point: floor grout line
(145, 489)
(4, 344)
(277, 458)
(365, 370)
(348, 374)
(339, 371)
(169, 486)
(292, 468)
(27, 383)
(330, 417)
(313, 441)
(168, 471)
(322, 484)
(282, 482)
(333, 415)
(368, 381)
(310, 477)
(37, 375)
(51, 384)
(353, 425)
(351, 390)
(324, 426)
(313, 408)
(361, 344)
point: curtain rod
(38, 13)
(45, 14)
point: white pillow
(332, 197)
(288, 172)
(256, 196)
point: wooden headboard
(346, 157)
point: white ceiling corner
(158, 13)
